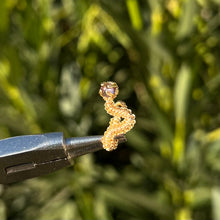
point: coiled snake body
(123, 120)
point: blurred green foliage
(165, 57)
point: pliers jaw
(30, 156)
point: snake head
(108, 90)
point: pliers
(28, 156)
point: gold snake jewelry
(123, 120)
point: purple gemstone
(105, 89)
(108, 88)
